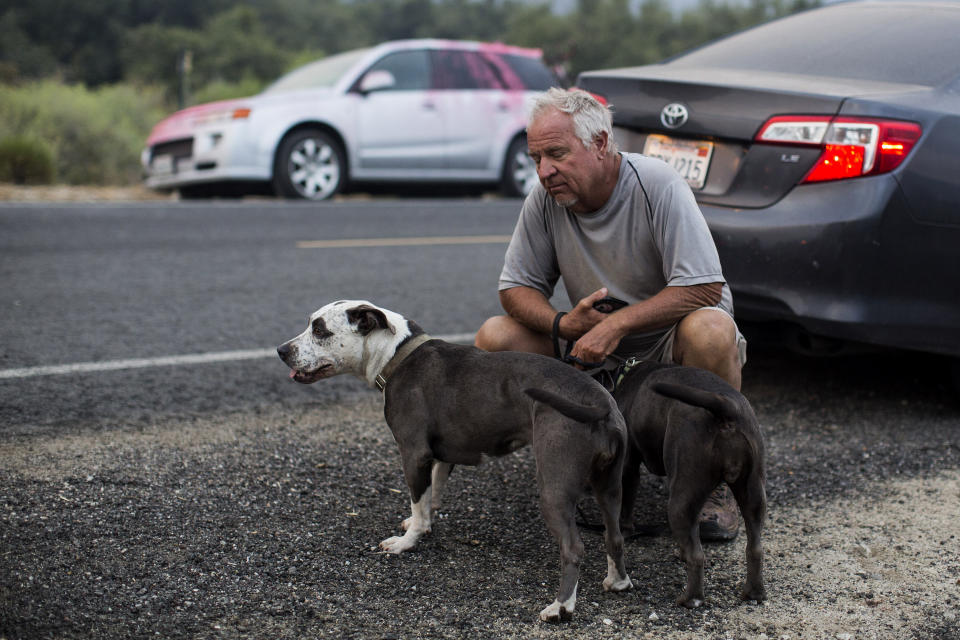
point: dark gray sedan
(824, 150)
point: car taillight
(852, 147)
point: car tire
(310, 165)
(519, 170)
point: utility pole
(184, 66)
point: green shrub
(95, 135)
(223, 90)
(25, 160)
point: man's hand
(603, 332)
(598, 343)
(596, 334)
(583, 317)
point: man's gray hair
(590, 117)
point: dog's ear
(368, 318)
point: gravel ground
(264, 524)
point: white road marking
(400, 242)
(166, 361)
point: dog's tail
(719, 405)
(615, 436)
(573, 410)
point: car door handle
(429, 106)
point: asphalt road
(106, 283)
(215, 498)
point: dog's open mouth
(309, 377)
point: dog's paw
(757, 594)
(556, 612)
(398, 544)
(689, 602)
(611, 583)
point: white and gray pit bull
(450, 404)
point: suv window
(454, 69)
(532, 72)
(411, 69)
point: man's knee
(708, 330)
(503, 333)
(493, 334)
(707, 339)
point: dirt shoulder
(74, 193)
(266, 525)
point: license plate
(162, 165)
(691, 158)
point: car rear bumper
(844, 260)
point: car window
(454, 69)
(870, 42)
(410, 69)
(531, 71)
(322, 73)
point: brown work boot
(720, 518)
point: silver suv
(403, 111)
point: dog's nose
(283, 351)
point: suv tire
(519, 171)
(310, 165)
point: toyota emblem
(674, 115)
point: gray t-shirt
(649, 234)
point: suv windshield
(319, 74)
(878, 42)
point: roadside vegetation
(80, 90)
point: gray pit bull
(449, 404)
(691, 426)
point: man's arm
(666, 308)
(598, 334)
(529, 307)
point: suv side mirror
(378, 80)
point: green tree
(235, 46)
(166, 45)
(536, 26)
(21, 56)
(315, 25)
(471, 19)
(232, 48)
(396, 19)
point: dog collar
(405, 349)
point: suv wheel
(309, 165)
(519, 171)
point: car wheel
(519, 171)
(310, 165)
